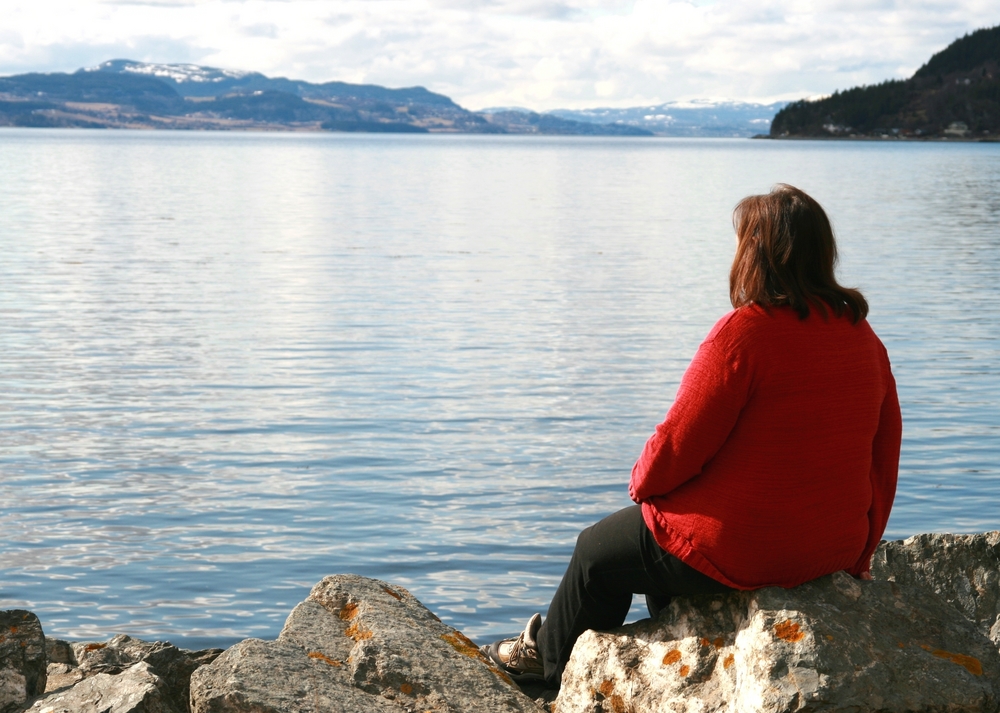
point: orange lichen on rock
(392, 593)
(788, 630)
(463, 645)
(728, 661)
(323, 657)
(617, 704)
(672, 656)
(94, 647)
(901, 645)
(705, 642)
(357, 633)
(684, 670)
(406, 688)
(719, 642)
(349, 611)
(606, 688)
(13, 629)
(971, 664)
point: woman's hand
(866, 576)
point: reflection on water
(233, 364)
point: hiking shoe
(519, 657)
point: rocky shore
(923, 636)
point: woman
(776, 463)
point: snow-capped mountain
(703, 117)
(177, 73)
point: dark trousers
(613, 560)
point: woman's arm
(712, 393)
(885, 469)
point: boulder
(834, 644)
(135, 690)
(22, 659)
(963, 569)
(84, 672)
(357, 645)
(171, 664)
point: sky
(537, 54)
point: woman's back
(764, 472)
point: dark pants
(613, 560)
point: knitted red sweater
(777, 462)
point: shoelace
(519, 649)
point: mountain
(956, 94)
(694, 118)
(191, 80)
(125, 94)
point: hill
(956, 94)
(135, 95)
(702, 118)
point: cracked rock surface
(121, 675)
(834, 644)
(135, 690)
(963, 569)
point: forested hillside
(956, 94)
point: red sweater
(777, 461)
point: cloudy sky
(541, 54)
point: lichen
(970, 663)
(323, 657)
(788, 630)
(671, 657)
(357, 633)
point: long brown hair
(786, 255)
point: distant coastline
(122, 94)
(992, 139)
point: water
(235, 363)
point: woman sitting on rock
(776, 463)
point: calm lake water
(231, 364)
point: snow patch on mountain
(178, 73)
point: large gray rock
(135, 690)
(963, 569)
(357, 645)
(835, 644)
(22, 659)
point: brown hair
(786, 255)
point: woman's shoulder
(740, 322)
(753, 323)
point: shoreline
(918, 139)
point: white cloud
(538, 53)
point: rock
(62, 675)
(22, 659)
(136, 690)
(963, 569)
(357, 645)
(171, 664)
(834, 644)
(106, 661)
(59, 651)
